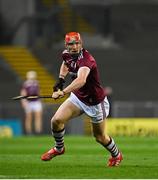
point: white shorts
(33, 106)
(97, 112)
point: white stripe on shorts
(96, 112)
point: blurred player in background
(33, 107)
(86, 96)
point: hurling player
(86, 96)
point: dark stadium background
(121, 34)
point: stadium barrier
(10, 127)
(128, 126)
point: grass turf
(84, 158)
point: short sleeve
(87, 62)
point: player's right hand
(59, 85)
(57, 94)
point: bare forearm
(63, 71)
(76, 84)
(79, 81)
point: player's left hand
(59, 85)
(58, 94)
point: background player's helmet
(72, 37)
(31, 75)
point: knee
(55, 120)
(56, 123)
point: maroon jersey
(92, 92)
(31, 87)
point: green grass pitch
(83, 159)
